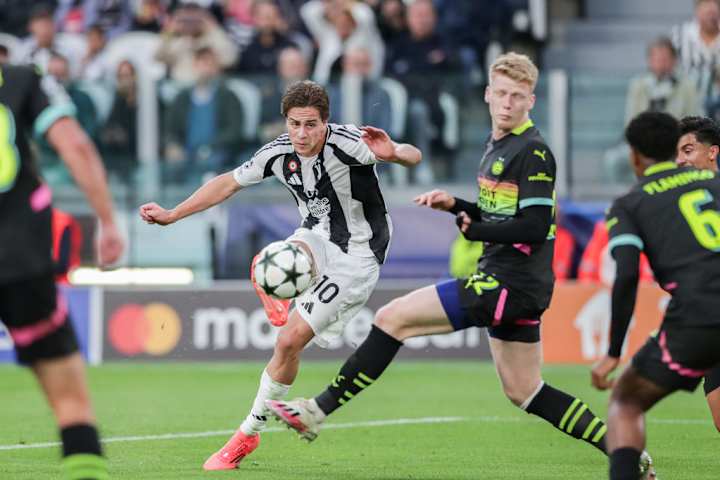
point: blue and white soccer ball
(283, 270)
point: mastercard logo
(154, 329)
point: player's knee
(392, 319)
(287, 345)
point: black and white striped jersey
(698, 60)
(337, 192)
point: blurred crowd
(682, 78)
(411, 63)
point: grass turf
(493, 441)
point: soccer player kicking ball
(673, 215)
(511, 288)
(346, 230)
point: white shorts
(342, 286)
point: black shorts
(677, 357)
(37, 319)
(481, 301)
(712, 380)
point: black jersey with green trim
(516, 172)
(25, 229)
(673, 215)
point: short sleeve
(47, 103)
(621, 227)
(259, 167)
(537, 178)
(351, 149)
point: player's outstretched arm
(82, 159)
(386, 150)
(530, 226)
(213, 192)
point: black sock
(80, 439)
(624, 464)
(570, 415)
(82, 455)
(362, 368)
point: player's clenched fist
(154, 213)
(437, 199)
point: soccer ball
(283, 270)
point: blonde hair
(517, 67)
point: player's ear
(714, 150)
(487, 94)
(636, 163)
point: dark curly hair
(706, 130)
(654, 135)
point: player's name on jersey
(678, 180)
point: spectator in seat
(336, 26)
(118, 136)
(94, 64)
(261, 55)
(192, 28)
(375, 101)
(421, 61)
(59, 68)
(291, 67)
(15, 16)
(113, 16)
(85, 113)
(149, 16)
(662, 88)
(203, 124)
(42, 43)
(698, 46)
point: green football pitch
(429, 420)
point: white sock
(269, 389)
(316, 411)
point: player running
(34, 312)
(511, 289)
(672, 214)
(699, 147)
(346, 230)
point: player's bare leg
(632, 396)
(415, 314)
(713, 400)
(65, 386)
(275, 382)
(518, 365)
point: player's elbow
(536, 232)
(69, 140)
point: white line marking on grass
(337, 426)
(216, 433)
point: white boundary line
(335, 426)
